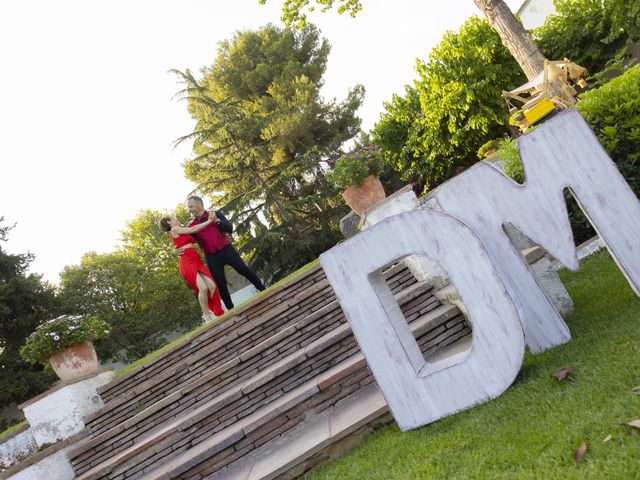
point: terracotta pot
(75, 362)
(364, 196)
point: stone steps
(266, 314)
(294, 453)
(195, 357)
(274, 451)
(189, 446)
(274, 301)
(218, 401)
(308, 358)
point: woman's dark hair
(164, 224)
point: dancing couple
(211, 231)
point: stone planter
(364, 196)
(79, 361)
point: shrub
(505, 151)
(454, 106)
(56, 335)
(613, 112)
(351, 169)
(589, 32)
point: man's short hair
(196, 198)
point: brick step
(323, 437)
(125, 430)
(241, 399)
(295, 451)
(288, 443)
(239, 330)
(239, 425)
(291, 337)
(271, 300)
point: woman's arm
(194, 229)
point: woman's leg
(211, 286)
(203, 297)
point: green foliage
(613, 112)
(352, 168)
(25, 300)
(261, 141)
(56, 335)
(8, 426)
(136, 289)
(589, 32)
(20, 380)
(453, 108)
(293, 11)
(510, 157)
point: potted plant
(357, 173)
(65, 342)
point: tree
(143, 239)
(497, 13)
(261, 140)
(452, 109)
(25, 301)
(513, 36)
(137, 289)
(293, 11)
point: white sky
(87, 118)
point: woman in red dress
(192, 268)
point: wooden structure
(551, 90)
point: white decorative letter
(561, 153)
(417, 391)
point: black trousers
(229, 256)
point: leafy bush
(25, 301)
(56, 335)
(453, 107)
(351, 169)
(589, 32)
(613, 112)
(506, 150)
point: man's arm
(223, 223)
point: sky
(88, 115)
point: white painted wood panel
(561, 153)
(420, 392)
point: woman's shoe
(208, 318)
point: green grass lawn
(11, 429)
(534, 428)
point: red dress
(190, 265)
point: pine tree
(261, 140)
(25, 301)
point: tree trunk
(513, 36)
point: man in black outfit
(218, 251)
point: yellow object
(542, 108)
(552, 89)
